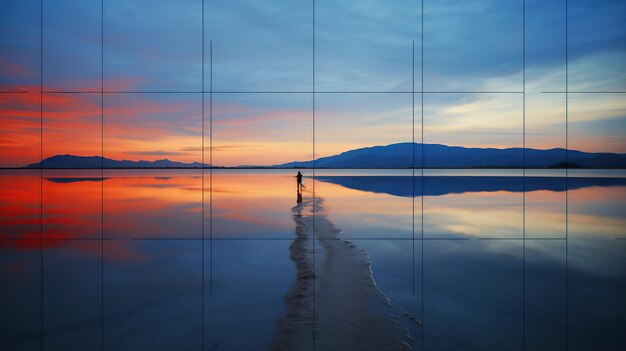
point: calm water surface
(484, 258)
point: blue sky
(360, 46)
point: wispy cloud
(360, 46)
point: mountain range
(443, 156)
(401, 155)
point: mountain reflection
(408, 186)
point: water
(480, 261)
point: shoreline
(335, 303)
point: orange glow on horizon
(150, 127)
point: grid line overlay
(314, 157)
(422, 173)
(313, 93)
(566, 173)
(413, 165)
(203, 309)
(41, 326)
(211, 168)
(101, 174)
(524, 174)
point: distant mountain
(443, 156)
(390, 156)
(71, 161)
(408, 186)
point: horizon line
(287, 165)
(293, 167)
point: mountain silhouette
(443, 156)
(72, 161)
(391, 156)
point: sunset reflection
(143, 230)
(89, 204)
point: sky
(365, 60)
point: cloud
(157, 153)
(360, 46)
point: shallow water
(484, 258)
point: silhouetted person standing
(299, 181)
(299, 186)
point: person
(299, 181)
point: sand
(335, 303)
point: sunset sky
(262, 77)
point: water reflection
(483, 288)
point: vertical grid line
(102, 174)
(422, 164)
(210, 168)
(313, 149)
(413, 162)
(202, 241)
(566, 170)
(524, 174)
(41, 300)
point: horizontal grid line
(56, 239)
(446, 238)
(267, 238)
(105, 168)
(322, 168)
(527, 238)
(291, 239)
(275, 238)
(583, 92)
(120, 92)
(166, 238)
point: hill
(443, 156)
(72, 161)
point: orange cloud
(156, 126)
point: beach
(335, 303)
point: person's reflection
(299, 199)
